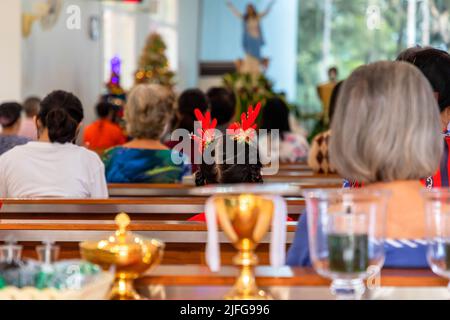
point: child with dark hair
(235, 154)
(54, 166)
(10, 122)
(241, 166)
(103, 133)
(435, 65)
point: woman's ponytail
(61, 113)
(61, 126)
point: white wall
(65, 59)
(10, 53)
(178, 23)
(69, 60)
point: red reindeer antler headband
(206, 134)
(244, 131)
(241, 132)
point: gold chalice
(245, 219)
(129, 254)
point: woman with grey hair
(145, 159)
(386, 134)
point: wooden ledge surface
(95, 225)
(125, 201)
(286, 276)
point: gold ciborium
(245, 219)
(130, 255)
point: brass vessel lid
(122, 237)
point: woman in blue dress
(145, 159)
(253, 39)
(386, 136)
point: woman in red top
(103, 133)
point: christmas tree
(153, 63)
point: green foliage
(250, 90)
(352, 42)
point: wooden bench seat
(152, 208)
(185, 241)
(118, 190)
(199, 283)
(285, 276)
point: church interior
(224, 150)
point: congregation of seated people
(387, 120)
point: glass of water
(437, 205)
(346, 237)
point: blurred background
(87, 46)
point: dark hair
(435, 65)
(104, 109)
(31, 106)
(408, 54)
(275, 116)
(9, 114)
(333, 100)
(333, 69)
(223, 104)
(231, 173)
(247, 14)
(61, 113)
(189, 101)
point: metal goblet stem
(245, 219)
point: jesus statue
(253, 39)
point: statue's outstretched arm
(234, 10)
(268, 9)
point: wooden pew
(308, 178)
(122, 190)
(199, 283)
(185, 241)
(70, 221)
(299, 166)
(285, 276)
(118, 190)
(152, 208)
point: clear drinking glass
(10, 252)
(48, 253)
(346, 236)
(437, 208)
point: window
(348, 34)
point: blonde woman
(386, 134)
(145, 159)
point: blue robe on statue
(252, 45)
